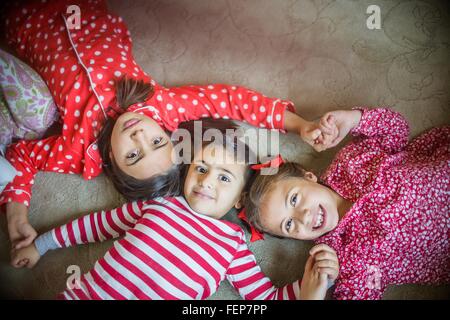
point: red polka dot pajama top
(397, 231)
(79, 66)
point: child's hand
(326, 260)
(312, 132)
(314, 284)
(21, 234)
(318, 135)
(343, 121)
(25, 257)
(322, 265)
(329, 133)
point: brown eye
(133, 154)
(157, 141)
(288, 224)
(224, 178)
(200, 169)
(294, 200)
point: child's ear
(310, 176)
(110, 154)
(238, 205)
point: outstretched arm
(98, 226)
(94, 227)
(222, 101)
(246, 276)
(381, 128)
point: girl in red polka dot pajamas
(383, 204)
(114, 115)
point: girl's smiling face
(299, 208)
(214, 182)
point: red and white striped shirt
(168, 252)
(79, 67)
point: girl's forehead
(219, 158)
(279, 187)
(216, 154)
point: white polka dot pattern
(79, 67)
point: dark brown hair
(167, 184)
(262, 184)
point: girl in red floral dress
(383, 204)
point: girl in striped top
(176, 248)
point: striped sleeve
(246, 276)
(98, 226)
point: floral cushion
(27, 109)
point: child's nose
(207, 181)
(139, 136)
(304, 215)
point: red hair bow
(255, 234)
(114, 110)
(273, 163)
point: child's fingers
(325, 127)
(320, 247)
(314, 134)
(19, 262)
(327, 140)
(331, 119)
(325, 255)
(24, 242)
(326, 264)
(328, 135)
(309, 263)
(330, 272)
(323, 276)
(335, 142)
(337, 138)
(318, 140)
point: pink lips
(130, 123)
(202, 195)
